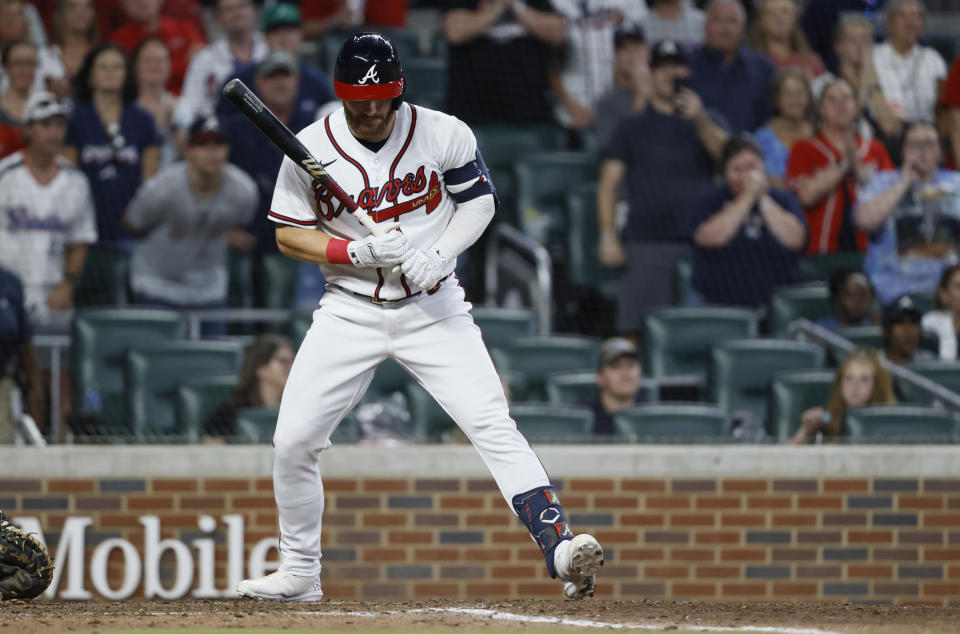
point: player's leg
(332, 370)
(443, 349)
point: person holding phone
(665, 154)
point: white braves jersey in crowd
(38, 221)
(429, 163)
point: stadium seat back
(538, 357)
(240, 279)
(901, 424)
(811, 301)
(673, 422)
(583, 259)
(198, 398)
(502, 325)
(154, 372)
(279, 280)
(426, 81)
(543, 181)
(104, 279)
(101, 338)
(742, 371)
(682, 280)
(945, 373)
(678, 339)
(791, 394)
(578, 388)
(549, 423)
(257, 424)
(388, 378)
(430, 421)
(818, 268)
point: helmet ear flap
(395, 104)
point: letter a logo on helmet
(368, 68)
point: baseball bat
(259, 115)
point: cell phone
(682, 82)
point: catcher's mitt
(25, 566)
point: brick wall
(870, 539)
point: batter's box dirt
(462, 616)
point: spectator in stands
(266, 366)
(213, 65)
(676, 20)
(746, 236)
(820, 18)
(584, 74)
(618, 377)
(20, 66)
(15, 26)
(792, 106)
(184, 216)
(913, 218)
(825, 171)
(497, 69)
(860, 380)
(901, 332)
(631, 87)
(281, 27)
(852, 297)
(950, 102)
(151, 72)
(18, 358)
(276, 83)
(46, 216)
(909, 73)
(181, 37)
(944, 319)
(322, 15)
(777, 34)
(113, 140)
(853, 44)
(730, 78)
(665, 156)
(74, 33)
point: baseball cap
(667, 52)
(616, 347)
(900, 309)
(281, 15)
(276, 61)
(205, 129)
(626, 32)
(43, 105)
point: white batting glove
(379, 251)
(424, 268)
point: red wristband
(337, 251)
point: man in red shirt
(322, 15)
(11, 140)
(824, 171)
(180, 36)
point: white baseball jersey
(38, 221)
(429, 163)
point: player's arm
(317, 247)
(308, 245)
(61, 296)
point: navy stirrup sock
(540, 510)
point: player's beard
(360, 125)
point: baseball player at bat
(394, 296)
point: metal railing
(539, 283)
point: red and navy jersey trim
(350, 159)
(303, 223)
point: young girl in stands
(860, 381)
(945, 318)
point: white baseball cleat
(281, 586)
(577, 561)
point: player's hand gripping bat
(253, 109)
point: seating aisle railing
(540, 280)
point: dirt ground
(46, 617)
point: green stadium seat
(430, 422)
(550, 423)
(279, 280)
(426, 81)
(682, 281)
(583, 260)
(298, 326)
(101, 338)
(742, 371)
(538, 357)
(389, 378)
(198, 398)
(502, 325)
(579, 388)
(153, 373)
(678, 338)
(811, 301)
(673, 422)
(791, 394)
(104, 279)
(901, 424)
(864, 336)
(240, 279)
(543, 181)
(818, 268)
(258, 424)
(945, 373)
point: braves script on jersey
(428, 163)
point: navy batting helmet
(368, 67)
